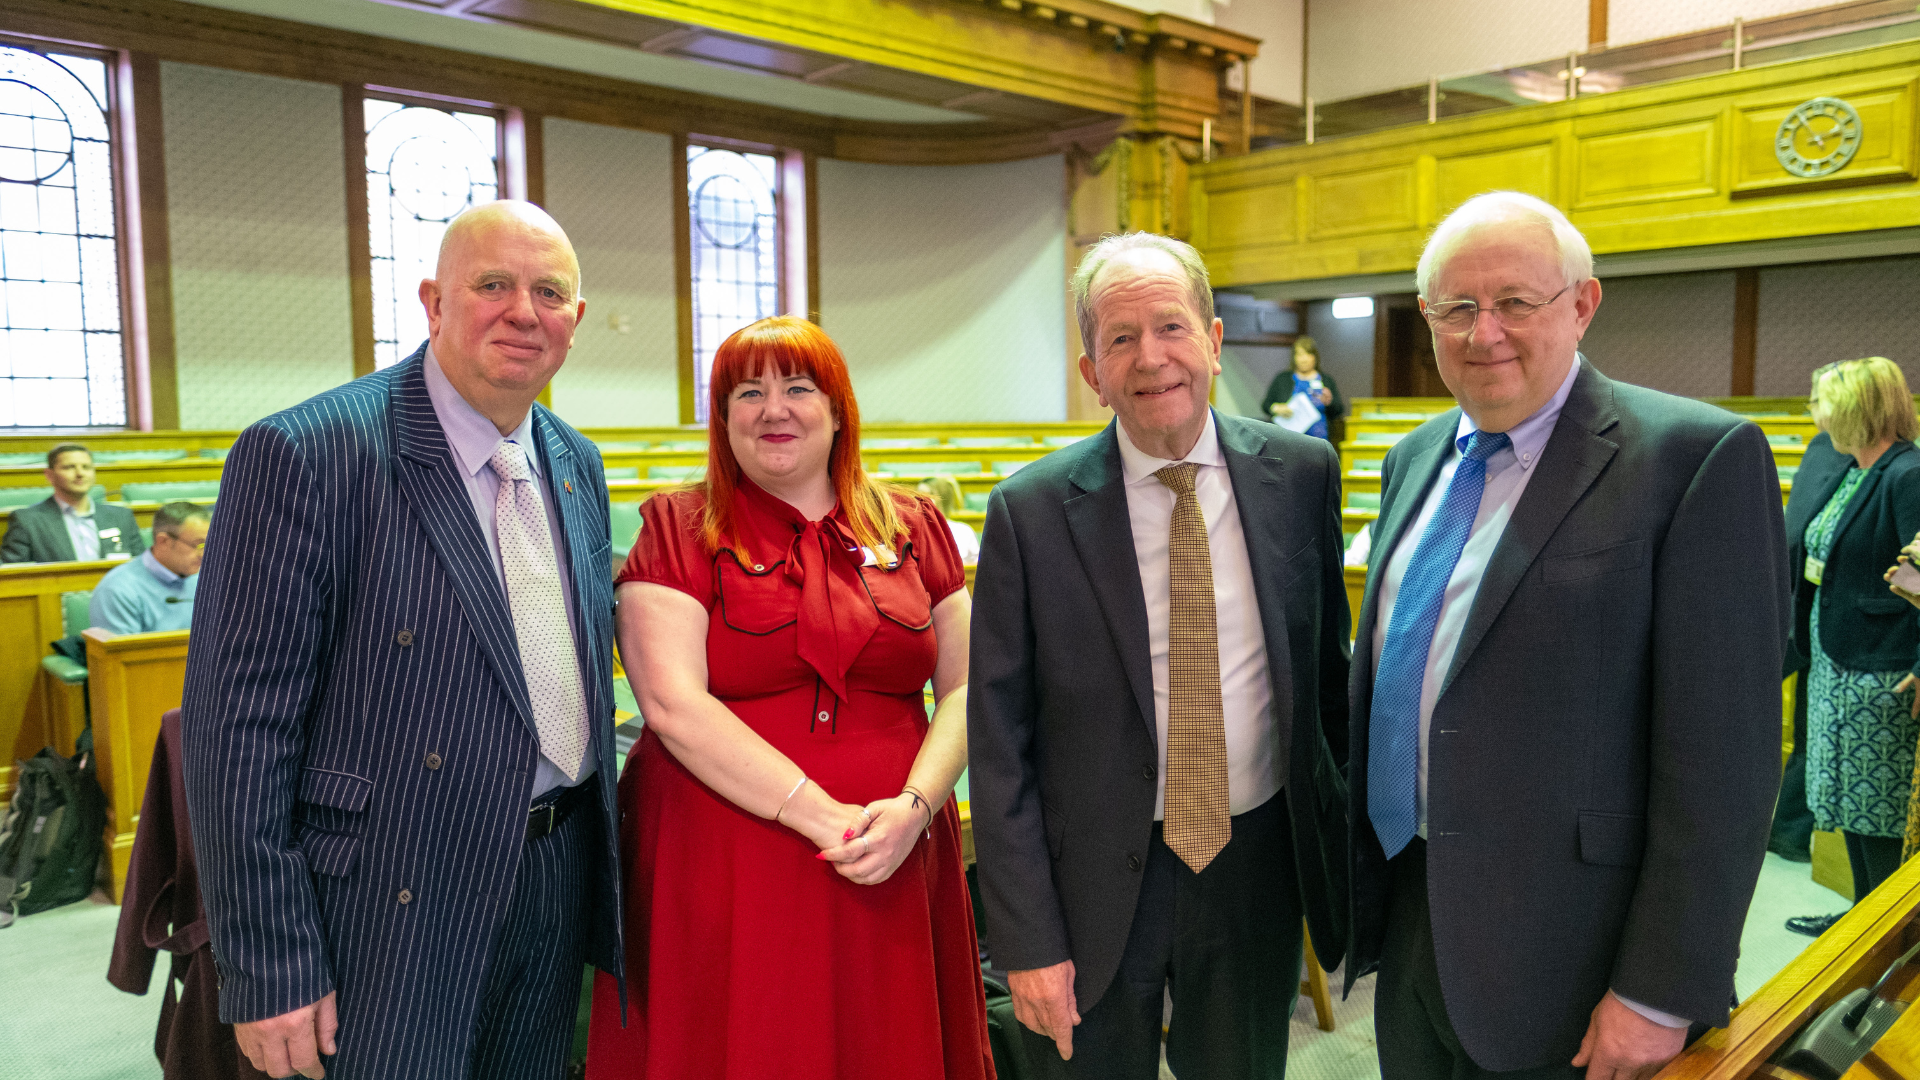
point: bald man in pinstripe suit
(397, 724)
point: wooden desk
(110, 475)
(1851, 955)
(134, 679)
(36, 709)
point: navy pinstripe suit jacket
(356, 722)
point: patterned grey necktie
(539, 612)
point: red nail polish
(822, 856)
(848, 835)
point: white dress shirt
(82, 529)
(473, 438)
(1508, 473)
(1246, 696)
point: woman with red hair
(796, 906)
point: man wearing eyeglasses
(155, 591)
(1566, 711)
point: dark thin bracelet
(920, 800)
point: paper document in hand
(1303, 412)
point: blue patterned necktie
(1393, 734)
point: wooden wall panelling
(1648, 155)
(683, 276)
(148, 256)
(1746, 337)
(133, 679)
(1532, 167)
(353, 125)
(1885, 102)
(29, 621)
(1681, 164)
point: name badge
(110, 534)
(1815, 568)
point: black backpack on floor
(50, 834)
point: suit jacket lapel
(1427, 450)
(1271, 538)
(568, 489)
(1862, 495)
(1102, 532)
(1574, 457)
(430, 482)
(54, 521)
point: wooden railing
(133, 679)
(1854, 953)
(36, 709)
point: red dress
(747, 958)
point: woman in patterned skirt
(1863, 717)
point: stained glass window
(61, 361)
(734, 199)
(424, 166)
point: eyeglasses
(1459, 316)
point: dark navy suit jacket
(359, 747)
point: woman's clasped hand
(879, 840)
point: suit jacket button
(1146, 772)
(1133, 862)
(433, 761)
(406, 896)
(403, 639)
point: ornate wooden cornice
(191, 33)
(1159, 73)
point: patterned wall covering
(945, 287)
(1672, 332)
(1822, 312)
(611, 189)
(1366, 46)
(256, 202)
(1629, 21)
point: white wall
(1277, 23)
(945, 287)
(612, 190)
(1629, 21)
(1358, 47)
(256, 213)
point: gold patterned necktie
(1197, 824)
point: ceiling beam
(1160, 73)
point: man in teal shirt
(155, 591)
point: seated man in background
(155, 591)
(70, 525)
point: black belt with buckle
(550, 815)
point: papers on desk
(1303, 412)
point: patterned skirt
(1860, 746)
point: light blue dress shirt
(82, 529)
(141, 596)
(1508, 473)
(473, 438)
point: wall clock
(1818, 137)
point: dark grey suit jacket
(38, 533)
(1060, 696)
(1605, 749)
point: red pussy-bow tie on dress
(837, 615)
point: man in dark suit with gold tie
(1566, 705)
(1157, 708)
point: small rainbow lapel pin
(568, 484)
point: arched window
(424, 166)
(61, 359)
(734, 200)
